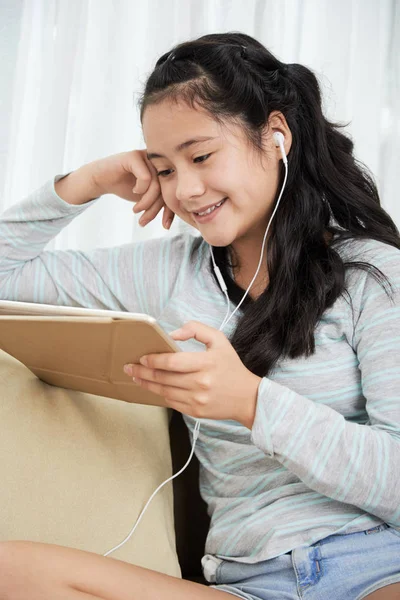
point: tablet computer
(83, 349)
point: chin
(218, 240)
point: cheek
(169, 197)
(234, 181)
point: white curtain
(71, 72)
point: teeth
(207, 212)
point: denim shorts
(339, 567)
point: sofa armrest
(77, 470)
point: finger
(149, 197)
(172, 395)
(184, 381)
(143, 180)
(139, 166)
(179, 362)
(153, 211)
(146, 200)
(168, 215)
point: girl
(297, 391)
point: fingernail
(176, 332)
(168, 224)
(128, 370)
(142, 222)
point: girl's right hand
(131, 176)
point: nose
(190, 184)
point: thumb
(199, 331)
(141, 186)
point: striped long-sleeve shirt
(323, 454)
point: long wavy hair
(234, 77)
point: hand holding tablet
(83, 349)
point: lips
(204, 208)
(210, 216)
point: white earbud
(279, 139)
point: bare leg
(389, 592)
(35, 571)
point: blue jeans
(339, 567)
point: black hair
(235, 78)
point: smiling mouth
(211, 209)
(209, 216)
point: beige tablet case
(85, 353)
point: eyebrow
(180, 147)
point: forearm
(25, 230)
(346, 461)
(249, 407)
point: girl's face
(199, 163)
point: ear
(277, 122)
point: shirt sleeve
(135, 277)
(357, 464)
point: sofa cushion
(77, 470)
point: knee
(7, 570)
(389, 592)
(13, 552)
(19, 554)
(13, 562)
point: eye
(163, 173)
(198, 159)
(204, 157)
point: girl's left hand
(213, 384)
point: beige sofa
(77, 470)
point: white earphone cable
(279, 139)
